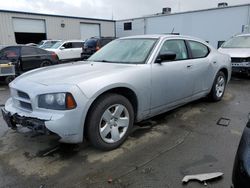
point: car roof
(164, 36)
(241, 35)
(73, 41)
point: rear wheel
(110, 121)
(219, 87)
(45, 63)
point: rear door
(30, 58)
(201, 67)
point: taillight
(97, 48)
(54, 56)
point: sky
(110, 9)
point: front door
(172, 81)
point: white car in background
(238, 47)
(68, 50)
(44, 44)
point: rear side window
(198, 49)
(77, 44)
(28, 51)
(9, 53)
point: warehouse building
(24, 27)
(213, 25)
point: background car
(94, 44)
(47, 43)
(241, 171)
(68, 50)
(238, 48)
(26, 58)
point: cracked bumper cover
(68, 125)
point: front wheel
(218, 88)
(110, 121)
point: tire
(45, 63)
(9, 79)
(109, 121)
(219, 86)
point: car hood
(72, 73)
(236, 52)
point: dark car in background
(94, 44)
(241, 171)
(26, 58)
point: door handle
(189, 66)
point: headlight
(56, 101)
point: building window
(127, 26)
(220, 43)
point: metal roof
(185, 12)
(53, 15)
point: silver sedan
(127, 81)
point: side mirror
(62, 48)
(167, 56)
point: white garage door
(89, 30)
(28, 25)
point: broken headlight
(56, 101)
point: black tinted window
(90, 43)
(68, 45)
(9, 53)
(28, 51)
(78, 44)
(198, 50)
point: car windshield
(56, 45)
(41, 43)
(91, 43)
(127, 51)
(238, 42)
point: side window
(176, 46)
(68, 45)
(198, 49)
(77, 44)
(9, 53)
(28, 51)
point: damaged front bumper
(36, 125)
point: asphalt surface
(159, 153)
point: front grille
(23, 95)
(21, 99)
(239, 60)
(25, 105)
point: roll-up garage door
(29, 30)
(89, 30)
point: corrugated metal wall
(53, 26)
(211, 25)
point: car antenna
(172, 32)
